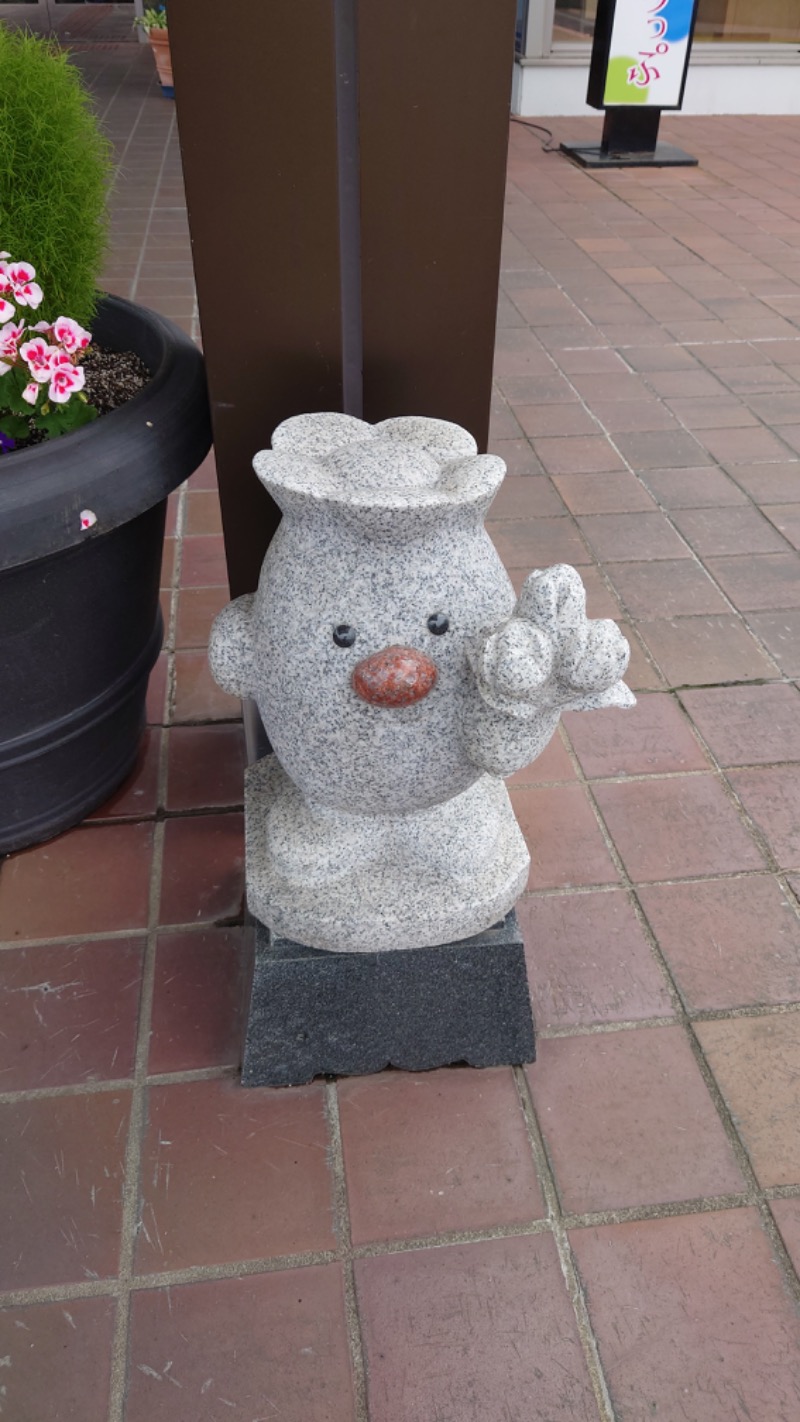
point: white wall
(559, 89)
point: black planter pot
(80, 621)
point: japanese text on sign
(648, 53)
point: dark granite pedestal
(316, 1013)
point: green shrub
(55, 166)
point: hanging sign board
(641, 53)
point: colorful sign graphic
(648, 53)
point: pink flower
(66, 379)
(39, 358)
(26, 291)
(31, 392)
(6, 310)
(70, 335)
(9, 340)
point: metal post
(344, 169)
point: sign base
(630, 140)
(664, 155)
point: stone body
(398, 678)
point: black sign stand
(630, 132)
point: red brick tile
(642, 674)
(197, 608)
(566, 846)
(231, 1174)
(656, 1139)
(759, 583)
(693, 488)
(57, 1360)
(172, 514)
(556, 419)
(61, 1173)
(632, 537)
(434, 1152)
(502, 423)
(626, 416)
(780, 633)
(537, 543)
(612, 493)
(668, 449)
(526, 498)
(700, 650)
(205, 476)
(577, 454)
(202, 512)
(472, 1331)
(610, 385)
(269, 1346)
(551, 766)
(769, 483)
(88, 881)
(157, 691)
(653, 736)
(748, 725)
(203, 869)
(665, 589)
(721, 531)
(756, 1062)
(535, 388)
(718, 413)
(772, 798)
(786, 518)
(675, 828)
(203, 562)
(692, 1317)
(205, 767)
(676, 383)
(589, 961)
(787, 1215)
(600, 600)
(707, 931)
(517, 456)
(197, 696)
(138, 795)
(198, 999)
(168, 563)
(69, 1013)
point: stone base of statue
(376, 883)
(315, 1013)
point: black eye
(438, 623)
(343, 635)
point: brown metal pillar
(255, 90)
(344, 165)
(435, 90)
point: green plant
(154, 18)
(55, 166)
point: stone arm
(548, 657)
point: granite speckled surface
(314, 1013)
(381, 821)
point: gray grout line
(342, 1221)
(138, 1116)
(208, 1273)
(566, 1258)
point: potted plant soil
(85, 471)
(154, 23)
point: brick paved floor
(614, 1232)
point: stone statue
(398, 678)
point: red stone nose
(397, 676)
